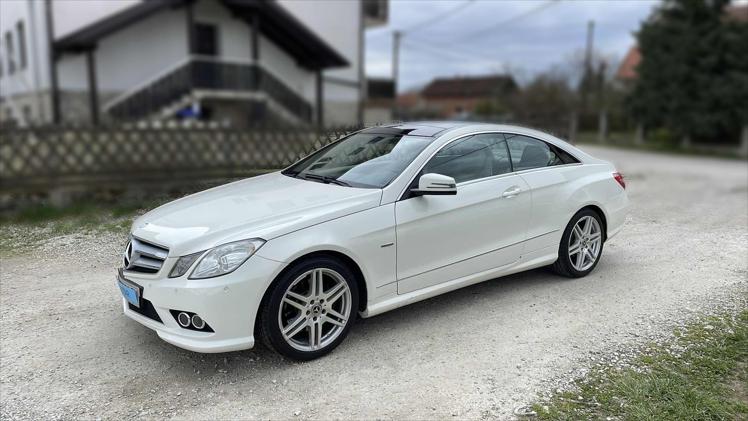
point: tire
(588, 250)
(302, 323)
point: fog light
(197, 322)
(184, 319)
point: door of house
(207, 71)
(206, 39)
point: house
(380, 101)
(239, 62)
(458, 96)
(627, 69)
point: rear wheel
(581, 245)
(310, 309)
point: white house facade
(238, 62)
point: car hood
(264, 207)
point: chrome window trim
(464, 183)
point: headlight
(225, 258)
(183, 264)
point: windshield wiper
(323, 178)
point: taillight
(619, 178)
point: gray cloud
(473, 40)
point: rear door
(441, 238)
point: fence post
(743, 150)
(573, 128)
(685, 142)
(639, 135)
(602, 126)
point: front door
(206, 71)
(442, 238)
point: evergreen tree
(693, 77)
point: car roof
(438, 128)
(418, 128)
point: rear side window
(472, 158)
(528, 153)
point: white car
(382, 218)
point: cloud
(485, 36)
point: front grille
(146, 309)
(145, 257)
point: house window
(21, 34)
(9, 53)
(206, 39)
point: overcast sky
(469, 37)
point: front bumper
(229, 304)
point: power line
(450, 54)
(441, 16)
(510, 20)
(502, 24)
(398, 35)
(426, 22)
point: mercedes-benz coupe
(382, 218)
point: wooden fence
(41, 161)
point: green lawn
(700, 375)
(626, 140)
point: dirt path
(67, 351)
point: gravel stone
(66, 350)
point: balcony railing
(208, 74)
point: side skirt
(537, 259)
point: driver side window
(472, 158)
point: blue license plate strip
(130, 291)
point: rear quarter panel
(560, 192)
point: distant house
(239, 62)
(380, 101)
(458, 96)
(627, 70)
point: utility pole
(587, 76)
(396, 36)
(602, 120)
(52, 58)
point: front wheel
(581, 245)
(310, 309)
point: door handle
(511, 192)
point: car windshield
(369, 160)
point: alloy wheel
(315, 309)
(585, 243)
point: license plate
(132, 295)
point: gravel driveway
(67, 351)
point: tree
(546, 102)
(693, 77)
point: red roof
(738, 13)
(469, 87)
(627, 69)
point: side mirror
(435, 184)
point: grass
(702, 374)
(33, 226)
(625, 140)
